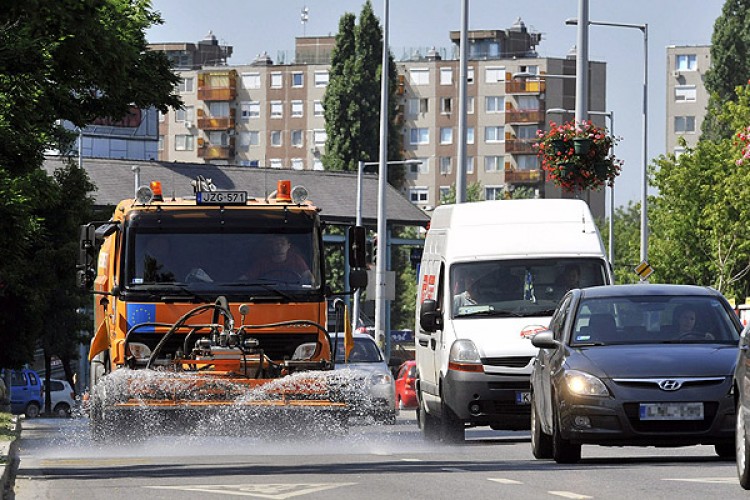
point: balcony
(217, 85)
(214, 123)
(520, 146)
(524, 116)
(212, 152)
(524, 86)
(523, 176)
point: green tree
(730, 64)
(473, 193)
(352, 99)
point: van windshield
(524, 287)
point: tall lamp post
(611, 116)
(644, 173)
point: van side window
(439, 285)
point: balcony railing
(217, 94)
(524, 86)
(520, 146)
(212, 152)
(523, 176)
(216, 123)
(524, 116)
(217, 85)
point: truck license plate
(221, 197)
(671, 411)
(523, 397)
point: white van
(491, 272)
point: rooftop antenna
(304, 16)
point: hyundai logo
(670, 385)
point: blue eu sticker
(141, 313)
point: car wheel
(742, 448)
(427, 423)
(452, 428)
(541, 443)
(32, 410)
(563, 451)
(62, 410)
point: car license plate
(221, 197)
(671, 411)
(523, 397)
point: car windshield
(365, 351)
(528, 287)
(653, 319)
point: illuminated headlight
(464, 356)
(380, 379)
(584, 384)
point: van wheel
(427, 423)
(62, 410)
(452, 428)
(32, 410)
(541, 443)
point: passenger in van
(570, 277)
(468, 284)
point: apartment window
(526, 131)
(419, 195)
(445, 192)
(277, 109)
(298, 79)
(249, 109)
(321, 78)
(318, 108)
(469, 135)
(297, 108)
(446, 105)
(249, 138)
(419, 136)
(277, 80)
(494, 74)
(529, 69)
(446, 76)
(251, 80)
(470, 105)
(160, 144)
(298, 164)
(494, 104)
(186, 113)
(493, 163)
(445, 165)
(319, 136)
(685, 62)
(218, 109)
(493, 192)
(184, 143)
(470, 75)
(297, 138)
(684, 124)
(161, 116)
(318, 165)
(684, 93)
(419, 76)
(422, 168)
(275, 163)
(527, 162)
(446, 135)
(493, 134)
(678, 151)
(186, 85)
(469, 164)
(218, 138)
(529, 102)
(276, 138)
(417, 106)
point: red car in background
(406, 397)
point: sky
(255, 26)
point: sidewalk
(8, 459)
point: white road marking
(453, 469)
(275, 491)
(569, 494)
(411, 459)
(504, 481)
(709, 480)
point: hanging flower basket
(578, 156)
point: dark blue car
(26, 393)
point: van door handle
(423, 342)
(433, 343)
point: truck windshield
(528, 287)
(206, 256)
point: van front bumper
(498, 400)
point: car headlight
(464, 356)
(380, 379)
(584, 384)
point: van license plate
(671, 411)
(523, 397)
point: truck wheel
(541, 443)
(32, 410)
(427, 423)
(452, 428)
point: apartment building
(687, 97)
(271, 115)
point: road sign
(644, 270)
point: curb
(9, 452)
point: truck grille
(508, 361)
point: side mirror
(85, 270)
(545, 340)
(357, 279)
(430, 319)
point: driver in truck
(280, 262)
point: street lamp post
(644, 153)
(611, 116)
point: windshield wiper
(265, 286)
(162, 291)
(490, 312)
